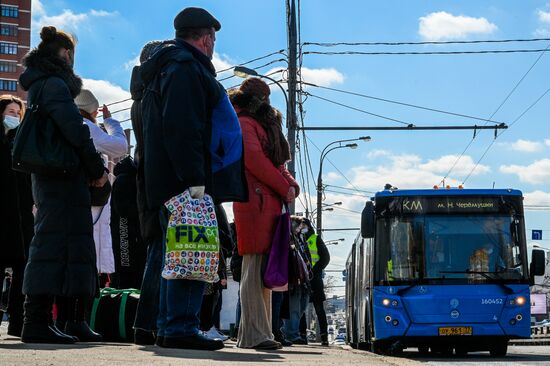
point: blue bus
(442, 270)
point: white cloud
(378, 153)
(37, 8)
(544, 16)
(440, 26)
(463, 167)
(107, 93)
(322, 77)
(67, 20)
(535, 173)
(547, 142)
(526, 146)
(129, 65)
(537, 198)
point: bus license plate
(451, 331)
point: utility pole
(292, 85)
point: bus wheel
(499, 350)
(424, 350)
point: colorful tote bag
(192, 239)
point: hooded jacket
(62, 258)
(191, 133)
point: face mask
(10, 122)
(305, 230)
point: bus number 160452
(492, 301)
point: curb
(530, 342)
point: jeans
(298, 299)
(276, 303)
(148, 305)
(180, 300)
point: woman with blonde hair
(16, 220)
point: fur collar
(54, 66)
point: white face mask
(305, 230)
(10, 122)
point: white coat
(113, 145)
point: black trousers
(321, 319)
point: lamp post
(245, 72)
(340, 144)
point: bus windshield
(449, 248)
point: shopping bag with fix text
(192, 239)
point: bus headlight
(386, 302)
(520, 300)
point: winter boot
(36, 325)
(76, 321)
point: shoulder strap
(34, 106)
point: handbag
(100, 195)
(192, 239)
(39, 147)
(276, 271)
(113, 314)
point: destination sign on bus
(448, 204)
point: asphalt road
(517, 355)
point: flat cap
(196, 18)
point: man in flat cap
(192, 141)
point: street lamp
(245, 72)
(340, 144)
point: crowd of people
(71, 226)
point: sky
(111, 34)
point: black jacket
(62, 259)
(148, 218)
(16, 219)
(181, 94)
(128, 248)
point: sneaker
(212, 334)
(221, 336)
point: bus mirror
(367, 221)
(538, 262)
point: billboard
(538, 304)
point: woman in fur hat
(269, 185)
(62, 255)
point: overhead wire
(500, 134)
(256, 68)
(512, 91)
(251, 61)
(415, 53)
(401, 103)
(333, 44)
(358, 109)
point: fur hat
(86, 101)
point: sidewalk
(13, 352)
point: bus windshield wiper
(485, 274)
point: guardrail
(540, 331)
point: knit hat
(148, 50)
(195, 18)
(86, 101)
(256, 87)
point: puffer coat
(62, 258)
